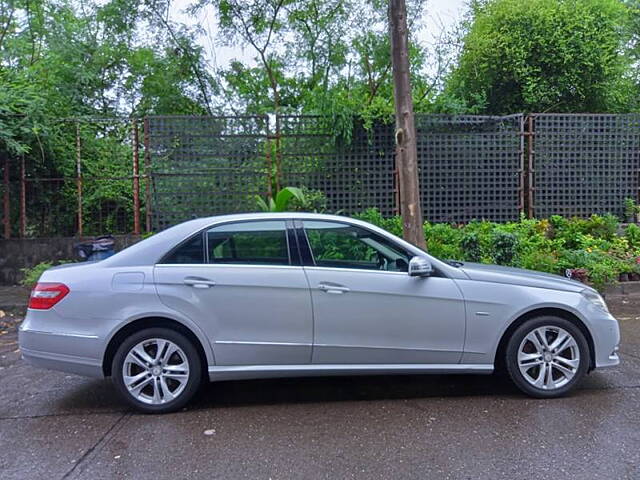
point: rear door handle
(199, 282)
(327, 287)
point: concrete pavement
(58, 426)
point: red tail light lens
(46, 295)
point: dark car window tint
(251, 243)
(190, 252)
(346, 246)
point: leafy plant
(282, 200)
(471, 248)
(632, 234)
(30, 275)
(631, 210)
(505, 247)
(310, 201)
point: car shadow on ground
(101, 395)
(348, 388)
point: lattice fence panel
(353, 175)
(470, 167)
(584, 163)
(203, 166)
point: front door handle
(199, 282)
(329, 288)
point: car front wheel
(157, 370)
(547, 356)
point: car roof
(152, 249)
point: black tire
(194, 365)
(513, 346)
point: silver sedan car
(297, 294)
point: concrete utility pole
(406, 150)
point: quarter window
(190, 252)
(340, 245)
(250, 243)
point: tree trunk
(406, 150)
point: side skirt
(238, 372)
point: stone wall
(17, 253)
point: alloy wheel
(155, 371)
(548, 357)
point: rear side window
(190, 252)
(249, 243)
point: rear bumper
(64, 363)
(79, 353)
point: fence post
(529, 178)
(136, 178)
(79, 178)
(7, 206)
(278, 154)
(522, 189)
(23, 198)
(147, 173)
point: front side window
(340, 245)
(249, 243)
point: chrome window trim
(205, 232)
(223, 265)
(360, 270)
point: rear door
(243, 283)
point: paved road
(57, 426)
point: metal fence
(85, 181)
(470, 166)
(584, 164)
(166, 169)
(353, 175)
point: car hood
(519, 276)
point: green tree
(543, 55)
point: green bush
(549, 245)
(632, 234)
(505, 246)
(32, 274)
(471, 247)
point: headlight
(595, 298)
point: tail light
(46, 295)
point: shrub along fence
(129, 176)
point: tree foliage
(544, 55)
(312, 56)
(64, 58)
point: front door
(368, 310)
(241, 284)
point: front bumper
(606, 339)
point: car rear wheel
(547, 356)
(157, 370)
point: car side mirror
(420, 267)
